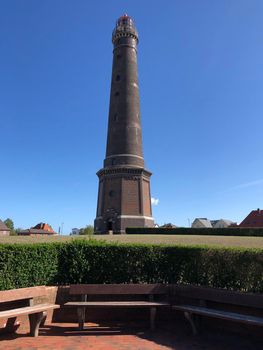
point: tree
(9, 223)
(88, 230)
(16, 230)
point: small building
(222, 223)
(214, 222)
(206, 223)
(4, 230)
(74, 231)
(254, 219)
(169, 225)
(201, 223)
(38, 230)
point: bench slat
(218, 295)
(120, 289)
(22, 293)
(28, 310)
(115, 304)
(220, 314)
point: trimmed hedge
(23, 265)
(91, 261)
(229, 231)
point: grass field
(222, 241)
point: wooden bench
(218, 303)
(144, 291)
(18, 302)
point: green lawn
(223, 241)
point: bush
(25, 265)
(81, 261)
(88, 230)
(229, 231)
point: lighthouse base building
(124, 200)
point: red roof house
(254, 219)
(39, 229)
(4, 230)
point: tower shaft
(124, 184)
(124, 142)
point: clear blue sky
(201, 86)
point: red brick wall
(112, 188)
(146, 198)
(130, 196)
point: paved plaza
(67, 336)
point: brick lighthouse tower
(124, 184)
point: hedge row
(80, 261)
(230, 231)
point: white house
(201, 223)
(222, 223)
(74, 231)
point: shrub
(229, 231)
(88, 230)
(25, 265)
(81, 261)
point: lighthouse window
(115, 117)
(118, 77)
(117, 93)
(111, 193)
(118, 56)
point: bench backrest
(219, 295)
(117, 289)
(22, 293)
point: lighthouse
(124, 198)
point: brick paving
(67, 337)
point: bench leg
(152, 317)
(11, 326)
(81, 317)
(34, 321)
(189, 317)
(42, 323)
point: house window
(118, 77)
(118, 56)
(115, 117)
(117, 93)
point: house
(74, 231)
(39, 229)
(169, 225)
(254, 219)
(206, 223)
(4, 230)
(201, 223)
(222, 223)
(214, 222)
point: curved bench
(210, 302)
